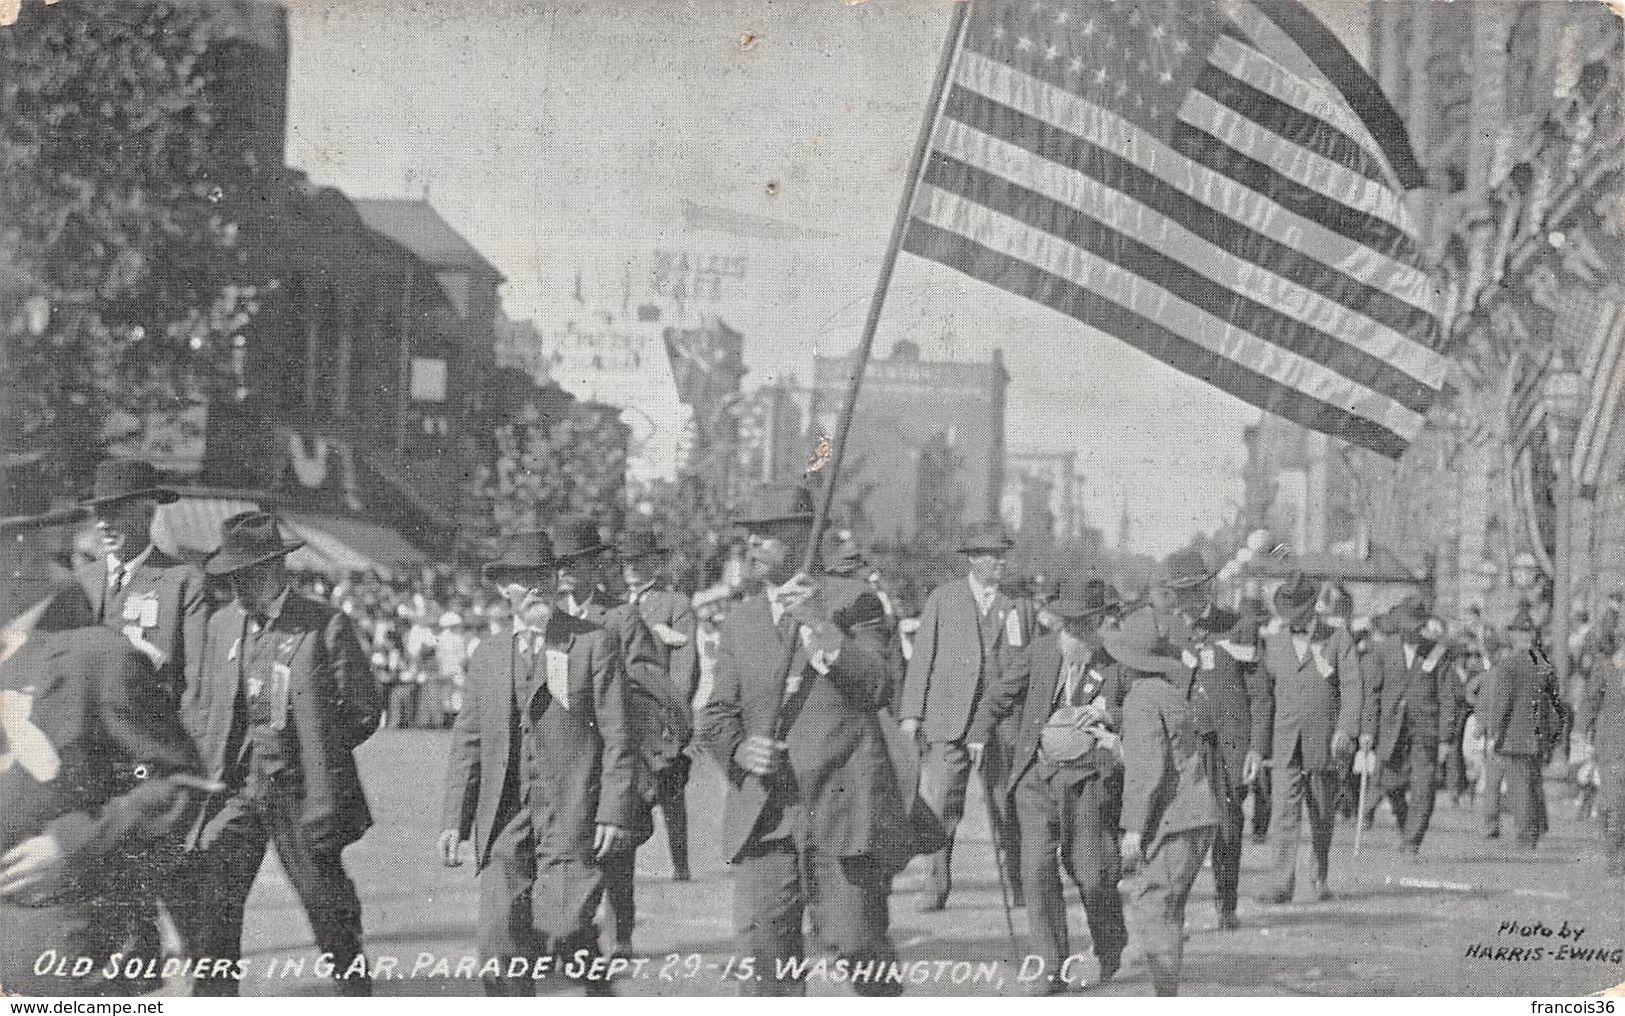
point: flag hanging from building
(1603, 375)
(1218, 184)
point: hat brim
(1150, 663)
(1000, 548)
(218, 563)
(748, 521)
(580, 552)
(1073, 611)
(492, 571)
(162, 495)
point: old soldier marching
(285, 698)
(967, 627)
(813, 820)
(540, 777)
(1066, 780)
(98, 781)
(1521, 722)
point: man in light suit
(540, 777)
(965, 628)
(285, 698)
(1408, 719)
(814, 818)
(139, 591)
(670, 616)
(1312, 696)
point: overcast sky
(566, 138)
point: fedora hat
(986, 536)
(775, 502)
(526, 552)
(122, 479)
(641, 541)
(577, 536)
(247, 539)
(1184, 569)
(1408, 615)
(1077, 599)
(1139, 643)
(1295, 598)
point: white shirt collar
(1411, 652)
(640, 592)
(114, 565)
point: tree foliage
(120, 289)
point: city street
(1397, 927)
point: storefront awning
(338, 545)
(190, 527)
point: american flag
(1218, 184)
(1603, 376)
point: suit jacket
(182, 614)
(659, 721)
(591, 738)
(676, 611)
(333, 706)
(1167, 788)
(1026, 688)
(1228, 693)
(94, 756)
(837, 750)
(1308, 700)
(944, 680)
(1522, 718)
(1419, 697)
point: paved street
(1381, 936)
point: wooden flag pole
(854, 384)
(860, 357)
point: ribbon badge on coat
(1317, 652)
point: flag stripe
(1274, 275)
(1226, 160)
(1250, 66)
(1167, 172)
(1235, 303)
(1277, 26)
(1606, 378)
(1071, 261)
(1288, 122)
(1293, 162)
(1082, 302)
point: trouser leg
(1423, 791)
(1157, 903)
(1613, 840)
(1046, 901)
(768, 906)
(620, 898)
(852, 901)
(1287, 798)
(506, 932)
(1089, 851)
(1523, 796)
(1261, 788)
(673, 803)
(1322, 819)
(1227, 856)
(1494, 776)
(944, 773)
(1006, 831)
(326, 891)
(223, 868)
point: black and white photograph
(770, 498)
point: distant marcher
(1602, 721)
(1522, 722)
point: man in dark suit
(966, 629)
(814, 818)
(541, 773)
(669, 614)
(1408, 718)
(1170, 807)
(1521, 723)
(1226, 698)
(286, 697)
(1066, 778)
(1312, 697)
(155, 601)
(656, 719)
(97, 778)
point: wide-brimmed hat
(529, 552)
(577, 536)
(775, 502)
(248, 539)
(1408, 614)
(122, 479)
(1183, 569)
(1295, 598)
(640, 542)
(1077, 599)
(1140, 643)
(986, 536)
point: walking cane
(998, 866)
(1359, 815)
